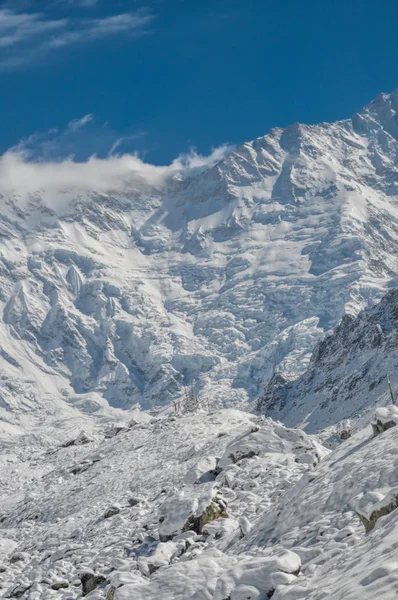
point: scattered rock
(81, 468)
(82, 439)
(90, 581)
(18, 590)
(18, 556)
(60, 585)
(115, 430)
(191, 509)
(110, 595)
(245, 526)
(112, 511)
(134, 501)
(371, 506)
(384, 418)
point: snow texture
(222, 278)
(219, 275)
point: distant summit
(122, 291)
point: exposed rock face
(192, 509)
(370, 511)
(215, 510)
(90, 581)
(347, 372)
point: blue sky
(159, 77)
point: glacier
(263, 280)
(119, 287)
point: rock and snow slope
(117, 292)
(347, 373)
(123, 290)
(218, 506)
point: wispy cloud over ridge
(28, 36)
(122, 173)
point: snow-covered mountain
(348, 372)
(122, 283)
(117, 292)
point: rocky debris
(116, 430)
(90, 581)
(245, 525)
(191, 509)
(345, 430)
(384, 418)
(134, 501)
(19, 557)
(60, 585)
(82, 439)
(270, 439)
(226, 529)
(17, 591)
(348, 367)
(120, 579)
(112, 511)
(372, 505)
(110, 595)
(85, 464)
(128, 549)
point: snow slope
(118, 292)
(122, 513)
(121, 290)
(348, 372)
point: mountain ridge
(217, 275)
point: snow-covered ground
(203, 506)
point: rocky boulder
(384, 418)
(373, 505)
(191, 509)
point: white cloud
(77, 124)
(91, 29)
(25, 37)
(81, 137)
(60, 180)
(24, 28)
(122, 141)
